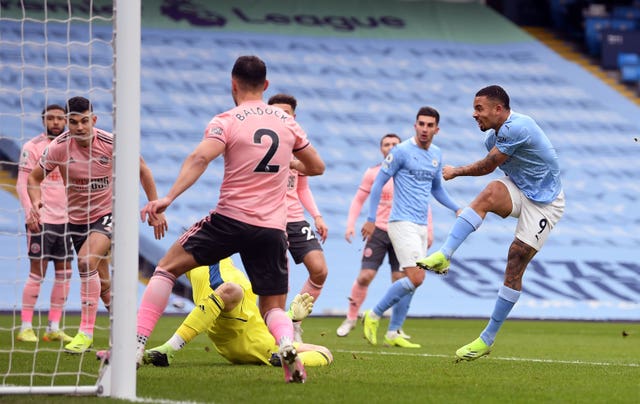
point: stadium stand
(354, 86)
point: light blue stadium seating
(351, 91)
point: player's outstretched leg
(291, 363)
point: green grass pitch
(532, 362)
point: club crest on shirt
(104, 159)
(434, 163)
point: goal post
(51, 51)
(126, 102)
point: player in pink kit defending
(303, 244)
(258, 142)
(376, 247)
(83, 156)
(51, 242)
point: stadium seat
(626, 59)
(630, 73)
(626, 12)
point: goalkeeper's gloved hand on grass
(301, 306)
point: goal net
(50, 51)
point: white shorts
(409, 242)
(535, 220)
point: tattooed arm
(481, 167)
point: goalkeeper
(230, 316)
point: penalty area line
(511, 359)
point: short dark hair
(51, 107)
(428, 111)
(250, 70)
(78, 105)
(495, 93)
(284, 99)
(389, 135)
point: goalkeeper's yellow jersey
(240, 336)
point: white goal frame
(118, 379)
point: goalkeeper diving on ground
(226, 309)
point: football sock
(507, 298)
(59, 294)
(154, 300)
(176, 342)
(105, 295)
(358, 294)
(399, 312)
(89, 297)
(29, 297)
(397, 291)
(311, 288)
(279, 324)
(466, 223)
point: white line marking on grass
(427, 355)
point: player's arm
(192, 168)
(430, 227)
(440, 193)
(374, 201)
(481, 167)
(354, 211)
(24, 170)
(308, 202)
(357, 203)
(34, 180)
(308, 161)
(149, 186)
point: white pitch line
(427, 355)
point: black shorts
(263, 250)
(302, 240)
(80, 232)
(374, 251)
(52, 243)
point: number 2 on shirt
(264, 166)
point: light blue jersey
(417, 173)
(533, 162)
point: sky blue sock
(397, 291)
(399, 312)
(466, 223)
(507, 298)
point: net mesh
(50, 51)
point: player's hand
(153, 209)
(33, 220)
(367, 230)
(301, 307)
(448, 172)
(349, 233)
(159, 225)
(321, 228)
